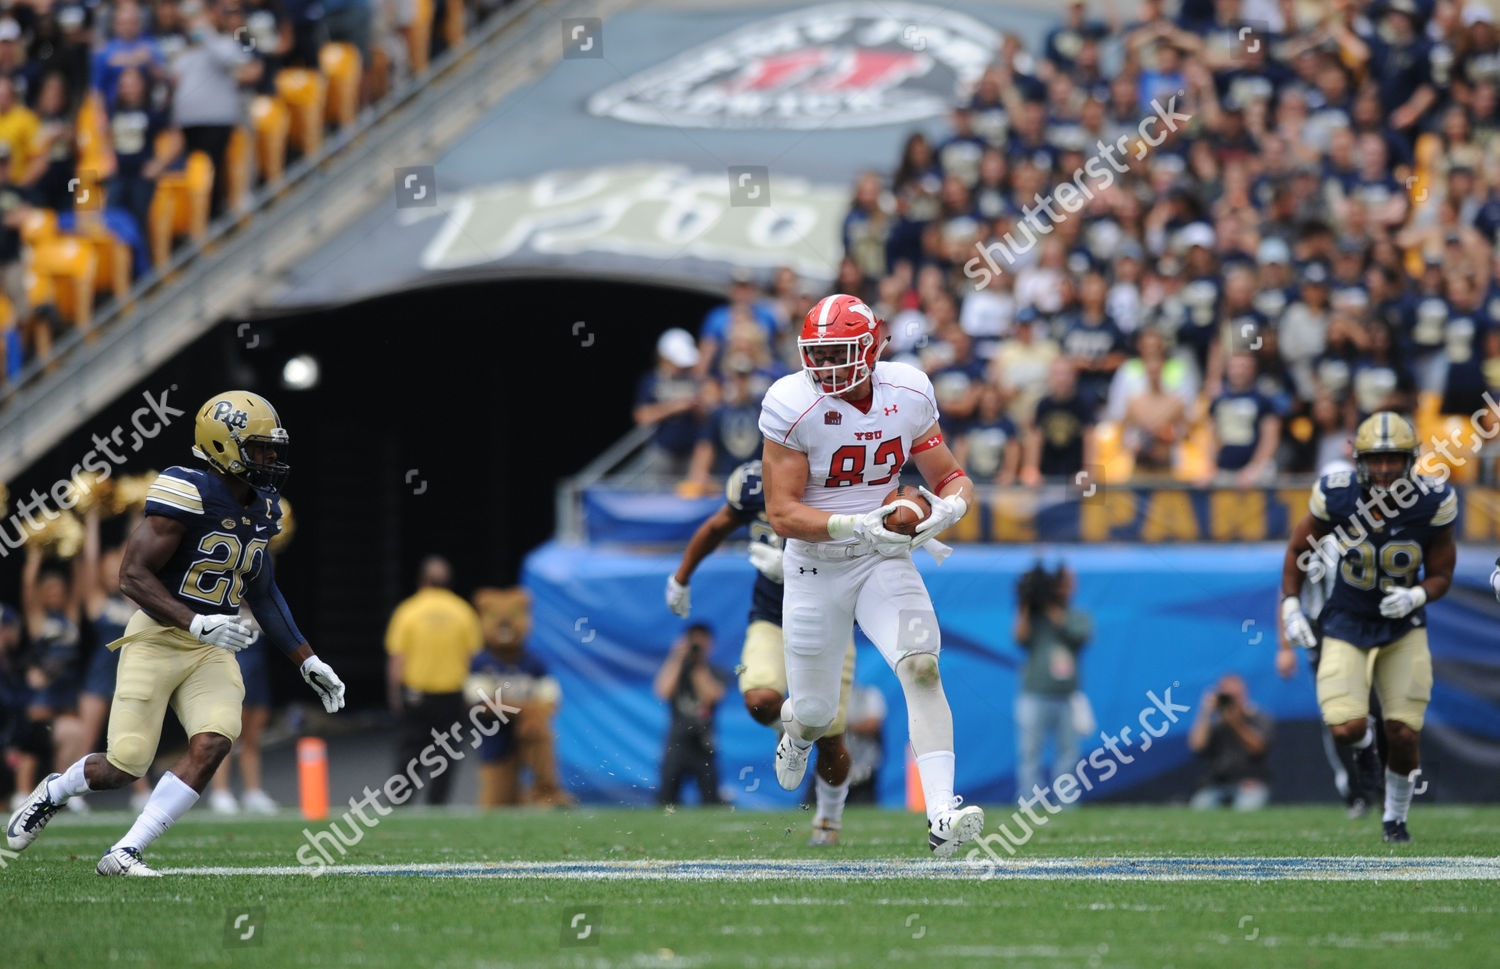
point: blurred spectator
(745, 305)
(134, 128)
(431, 638)
(50, 606)
(989, 446)
(63, 44)
(1246, 427)
(955, 372)
(15, 203)
(865, 739)
(349, 21)
(207, 104)
(518, 678)
(169, 31)
(1092, 340)
(1232, 736)
(671, 399)
(1060, 442)
(14, 63)
(269, 30)
(1156, 416)
(1051, 633)
(1021, 365)
(692, 687)
(731, 435)
(19, 126)
(128, 48)
(868, 226)
(54, 160)
(13, 696)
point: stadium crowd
(102, 102)
(1282, 218)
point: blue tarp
(1166, 618)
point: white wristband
(841, 527)
(1290, 605)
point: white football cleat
(954, 826)
(791, 760)
(257, 801)
(31, 816)
(223, 802)
(125, 861)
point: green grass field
(57, 912)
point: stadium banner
(1168, 621)
(1048, 514)
(694, 142)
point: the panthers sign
(846, 65)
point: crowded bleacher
(127, 128)
(1304, 235)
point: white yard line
(768, 869)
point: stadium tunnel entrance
(441, 421)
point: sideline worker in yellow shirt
(430, 640)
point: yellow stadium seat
(7, 317)
(271, 119)
(341, 67)
(112, 254)
(453, 22)
(92, 127)
(1465, 445)
(419, 37)
(304, 92)
(39, 226)
(239, 165)
(69, 264)
(180, 206)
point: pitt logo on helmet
(239, 434)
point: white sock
(1397, 795)
(936, 771)
(1368, 738)
(169, 801)
(70, 783)
(830, 801)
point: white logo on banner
(843, 65)
(655, 211)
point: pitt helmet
(1384, 432)
(235, 431)
(839, 344)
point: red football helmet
(840, 343)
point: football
(913, 512)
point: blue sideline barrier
(1166, 618)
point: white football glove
(325, 683)
(679, 599)
(945, 514)
(225, 631)
(767, 558)
(1495, 581)
(1294, 623)
(870, 530)
(1402, 601)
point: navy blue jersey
(222, 557)
(746, 495)
(1373, 560)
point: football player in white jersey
(837, 435)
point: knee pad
(918, 670)
(803, 630)
(814, 711)
(131, 753)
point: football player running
(762, 659)
(1388, 524)
(837, 435)
(200, 549)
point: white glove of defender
(1495, 581)
(679, 599)
(1402, 601)
(225, 631)
(325, 683)
(1294, 623)
(945, 514)
(767, 558)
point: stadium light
(300, 373)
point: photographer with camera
(693, 688)
(1050, 705)
(1233, 736)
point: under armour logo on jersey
(932, 442)
(833, 417)
(801, 570)
(890, 410)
